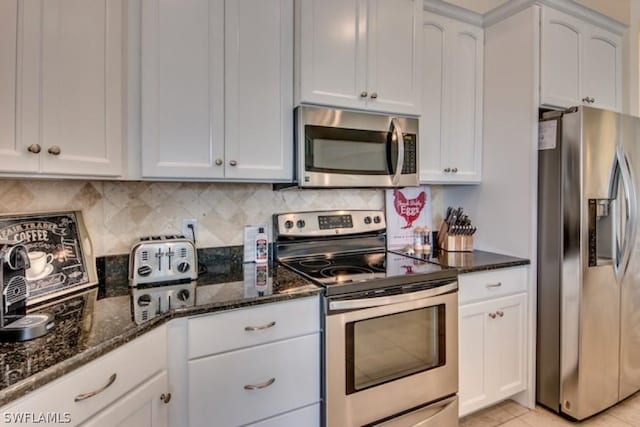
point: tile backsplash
(117, 213)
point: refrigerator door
(630, 283)
(592, 262)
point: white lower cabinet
(254, 365)
(243, 386)
(145, 406)
(111, 384)
(307, 417)
(493, 337)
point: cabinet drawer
(307, 417)
(491, 284)
(285, 374)
(131, 364)
(231, 330)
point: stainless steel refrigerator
(588, 328)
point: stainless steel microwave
(338, 148)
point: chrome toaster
(156, 259)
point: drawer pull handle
(259, 386)
(84, 396)
(165, 397)
(494, 285)
(259, 328)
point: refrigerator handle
(631, 196)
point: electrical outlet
(186, 230)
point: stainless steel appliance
(588, 343)
(390, 324)
(339, 148)
(161, 259)
(15, 323)
(162, 273)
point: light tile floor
(510, 414)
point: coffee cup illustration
(40, 264)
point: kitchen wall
(118, 213)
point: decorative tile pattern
(118, 213)
(510, 414)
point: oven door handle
(352, 304)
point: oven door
(390, 354)
(351, 149)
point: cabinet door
(14, 156)
(394, 56)
(602, 68)
(506, 341)
(433, 133)
(451, 122)
(463, 148)
(182, 89)
(259, 89)
(560, 59)
(141, 407)
(80, 84)
(474, 351)
(332, 53)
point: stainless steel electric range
(390, 322)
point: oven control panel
(328, 223)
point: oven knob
(288, 224)
(300, 223)
(183, 294)
(183, 267)
(367, 220)
(144, 271)
(376, 219)
(144, 300)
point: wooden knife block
(454, 243)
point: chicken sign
(409, 209)
(406, 209)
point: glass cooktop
(371, 269)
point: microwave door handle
(395, 124)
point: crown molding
(452, 11)
(567, 6)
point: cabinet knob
(454, 170)
(233, 163)
(447, 170)
(218, 162)
(55, 150)
(363, 94)
(34, 148)
(374, 95)
(165, 397)
(500, 313)
(492, 315)
(588, 100)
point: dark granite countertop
(98, 320)
(468, 262)
(95, 321)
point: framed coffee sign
(59, 249)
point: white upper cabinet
(362, 54)
(182, 89)
(217, 87)
(451, 121)
(580, 63)
(61, 104)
